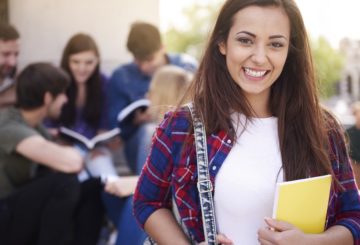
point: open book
(303, 203)
(128, 113)
(89, 143)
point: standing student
(9, 51)
(130, 81)
(255, 92)
(39, 190)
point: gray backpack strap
(204, 184)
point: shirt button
(228, 141)
(214, 168)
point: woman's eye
(277, 45)
(245, 41)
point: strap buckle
(204, 183)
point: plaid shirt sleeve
(153, 189)
(344, 206)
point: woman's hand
(280, 233)
(121, 186)
(220, 238)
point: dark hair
(8, 32)
(144, 39)
(37, 79)
(293, 99)
(94, 90)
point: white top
(245, 184)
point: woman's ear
(222, 48)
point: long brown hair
(94, 91)
(293, 99)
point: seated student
(9, 51)
(118, 199)
(85, 113)
(166, 88)
(130, 82)
(39, 190)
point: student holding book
(130, 82)
(84, 113)
(255, 93)
(167, 87)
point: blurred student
(86, 110)
(130, 82)
(167, 87)
(85, 113)
(354, 140)
(9, 51)
(39, 190)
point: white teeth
(253, 73)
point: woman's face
(82, 65)
(256, 49)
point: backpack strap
(204, 184)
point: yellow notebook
(303, 203)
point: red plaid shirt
(170, 172)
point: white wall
(46, 25)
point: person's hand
(54, 132)
(114, 144)
(280, 233)
(121, 186)
(220, 238)
(96, 152)
(141, 117)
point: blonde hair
(167, 87)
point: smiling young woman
(255, 92)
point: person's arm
(116, 99)
(279, 233)
(163, 228)
(152, 198)
(62, 158)
(344, 225)
(346, 203)
(121, 186)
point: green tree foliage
(191, 37)
(329, 63)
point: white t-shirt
(245, 184)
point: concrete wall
(46, 25)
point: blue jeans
(119, 211)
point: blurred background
(45, 26)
